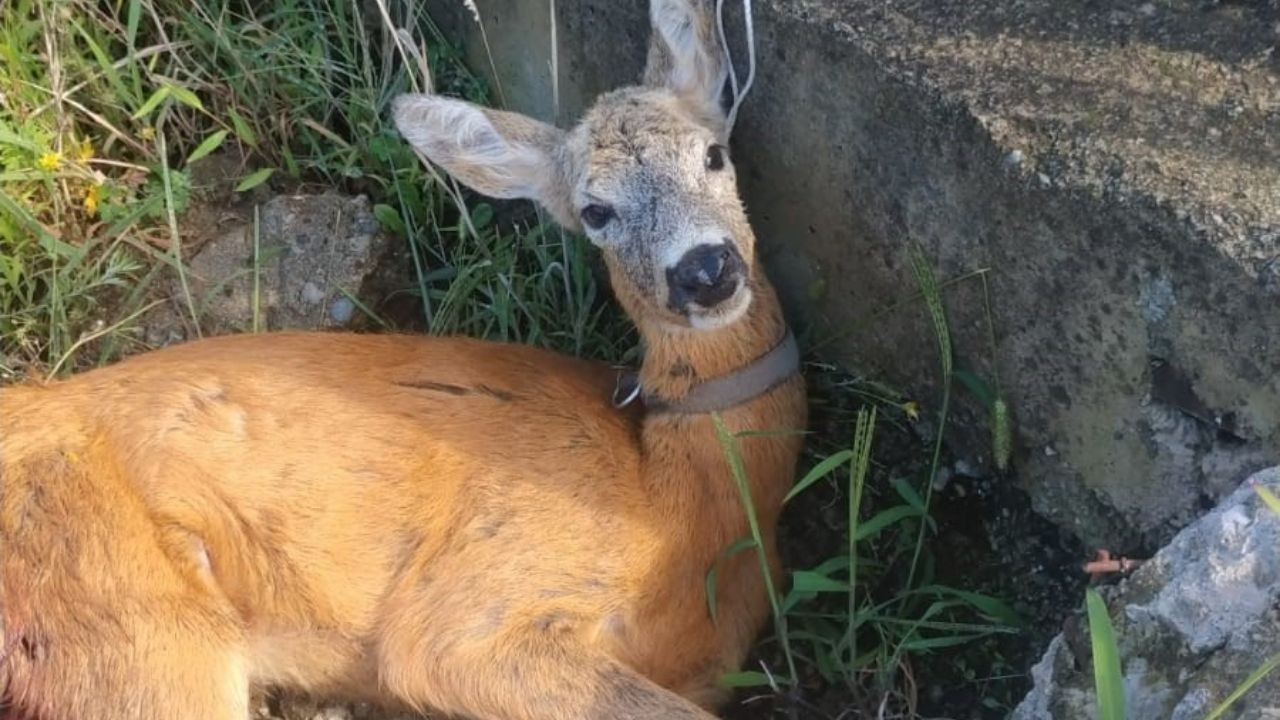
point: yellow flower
(50, 161)
(91, 197)
(148, 133)
(912, 409)
(84, 153)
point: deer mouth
(724, 313)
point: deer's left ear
(685, 54)
(500, 154)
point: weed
(1244, 687)
(852, 619)
(733, 455)
(1107, 675)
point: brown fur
(441, 524)
(526, 556)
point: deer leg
(522, 675)
(163, 674)
(102, 617)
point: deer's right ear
(497, 153)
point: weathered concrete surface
(1191, 624)
(1116, 167)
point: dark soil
(988, 540)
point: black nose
(707, 275)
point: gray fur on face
(643, 154)
(639, 156)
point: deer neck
(681, 450)
(676, 359)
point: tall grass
(108, 105)
(857, 618)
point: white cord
(728, 56)
(739, 94)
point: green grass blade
(254, 179)
(818, 472)
(51, 244)
(985, 604)
(859, 464)
(976, 385)
(942, 333)
(1001, 434)
(881, 520)
(807, 581)
(243, 130)
(133, 19)
(1254, 678)
(1107, 675)
(153, 102)
(1268, 497)
(733, 456)
(738, 546)
(749, 678)
(186, 97)
(8, 137)
(210, 144)
(105, 65)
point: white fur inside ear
(675, 22)
(459, 137)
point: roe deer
(446, 525)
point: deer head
(646, 174)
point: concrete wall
(1126, 212)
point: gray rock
(1196, 620)
(1063, 145)
(311, 248)
(341, 310)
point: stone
(1062, 146)
(312, 250)
(1195, 621)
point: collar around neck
(717, 394)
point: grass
(108, 107)
(1107, 674)
(1255, 677)
(854, 620)
(97, 148)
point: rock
(312, 251)
(341, 310)
(1065, 146)
(1192, 623)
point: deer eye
(596, 216)
(715, 157)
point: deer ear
(500, 154)
(685, 54)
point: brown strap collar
(746, 383)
